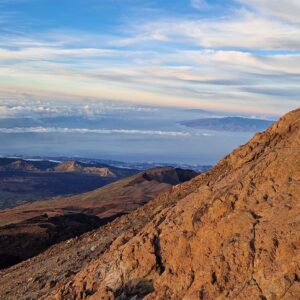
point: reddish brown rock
(74, 166)
(234, 236)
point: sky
(239, 56)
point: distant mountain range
(27, 179)
(48, 165)
(229, 124)
(23, 181)
(112, 163)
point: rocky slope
(231, 233)
(236, 236)
(30, 229)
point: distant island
(229, 124)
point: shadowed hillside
(24, 181)
(30, 229)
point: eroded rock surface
(235, 236)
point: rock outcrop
(74, 166)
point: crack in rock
(252, 245)
(157, 253)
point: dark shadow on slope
(29, 238)
(134, 289)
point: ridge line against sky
(234, 56)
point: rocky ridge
(74, 166)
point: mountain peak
(284, 133)
(69, 166)
(75, 166)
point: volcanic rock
(234, 235)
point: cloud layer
(94, 131)
(39, 109)
(242, 56)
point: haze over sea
(112, 79)
(118, 131)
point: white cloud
(242, 30)
(38, 109)
(94, 131)
(39, 53)
(285, 10)
(207, 79)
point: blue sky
(233, 56)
